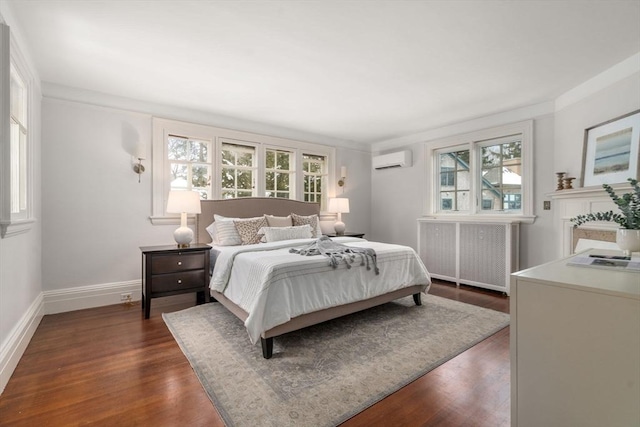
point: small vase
(628, 240)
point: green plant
(629, 205)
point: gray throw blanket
(337, 252)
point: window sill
(170, 220)
(523, 219)
(13, 228)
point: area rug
(324, 374)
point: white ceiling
(363, 71)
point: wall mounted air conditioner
(400, 159)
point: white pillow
(211, 229)
(275, 234)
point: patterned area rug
(325, 374)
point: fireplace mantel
(567, 204)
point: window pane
(228, 158)
(245, 180)
(501, 176)
(283, 181)
(270, 162)
(179, 176)
(228, 178)
(200, 176)
(177, 148)
(245, 159)
(283, 161)
(198, 151)
(462, 198)
(463, 180)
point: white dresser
(575, 347)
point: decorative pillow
(275, 234)
(248, 229)
(211, 229)
(226, 233)
(279, 221)
(312, 220)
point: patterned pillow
(275, 234)
(312, 220)
(248, 229)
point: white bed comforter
(274, 285)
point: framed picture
(611, 151)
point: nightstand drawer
(171, 263)
(178, 281)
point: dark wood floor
(109, 366)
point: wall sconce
(343, 177)
(140, 154)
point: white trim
(19, 339)
(469, 141)
(90, 296)
(10, 225)
(618, 72)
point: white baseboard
(79, 298)
(18, 341)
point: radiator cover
(482, 254)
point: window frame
(324, 175)
(159, 167)
(11, 57)
(474, 141)
(255, 168)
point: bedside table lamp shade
(339, 205)
(183, 202)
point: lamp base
(183, 236)
(339, 227)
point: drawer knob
(179, 262)
(179, 281)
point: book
(620, 263)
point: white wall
(20, 255)
(97, 214)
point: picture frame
(611, 152)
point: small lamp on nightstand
(183, 202)
(339, 205)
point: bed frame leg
(417, 298)
(267, 347)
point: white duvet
(274, 285)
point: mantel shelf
(583, 192)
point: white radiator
(480, 254)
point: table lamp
(339, 205)
(183, 202)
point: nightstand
(169, 270)
(346, 234)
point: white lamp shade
(339, 205)
(183, 201)
(141, 151)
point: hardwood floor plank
(109, 366)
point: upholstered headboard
(246, 208)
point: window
(222, 163)
(455, 181)
(314, 173)
(279, 174)
(190, 165)
(18, 132)
(239, 168)
(484, 173)
(15, 202)
(502, 174)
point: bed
(274, 291)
